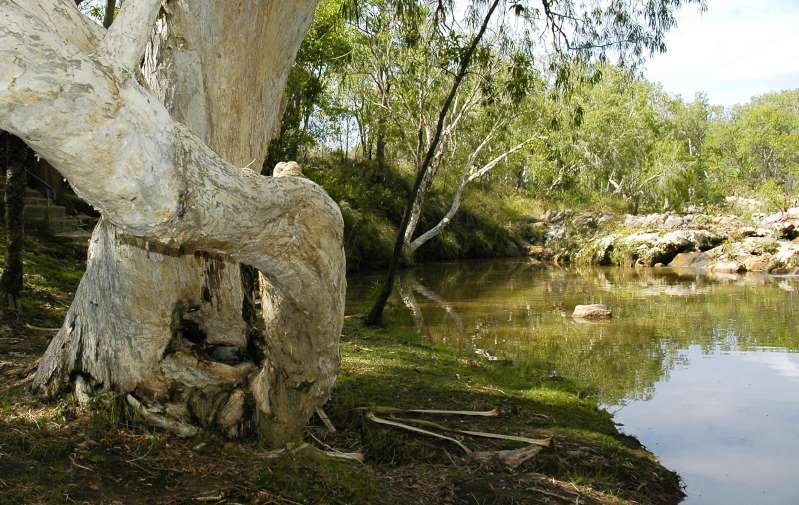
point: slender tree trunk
(375, 315)
(16, 157)
(416, 213)
(158, 314)
(108, 15)
(469, 176)
(382, 127)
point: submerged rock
(593, 311)
(729, 267)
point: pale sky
(733, 51)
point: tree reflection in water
(521, 312)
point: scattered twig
(543, 442)
(325, 420)
(75, 463)
(218, 497)
(372, 417)
(393, 410)
(147, 453)
(335, 453)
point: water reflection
(702, 369)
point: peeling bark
(158, 313)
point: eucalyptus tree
(386, 30)
(612, 145)
(326, 53)
(759, 146)
(166, 110)
(587, 31)
(488, 124)
(683, 155)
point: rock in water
(593, 311)
(689, 260)
(729, 267)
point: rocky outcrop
(669, 221)
(646, 248)
(722, 244)
(751, 254)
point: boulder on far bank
(592, 311)
(689, 260)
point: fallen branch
(512, 458)
(325, 420)
(372, 417)
(347, 456)
(542, 442)
(393, 410)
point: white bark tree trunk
(470, 175)
(158, 313)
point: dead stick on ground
(393, 410)
(543, 442)
(372, 417)
(325, 420)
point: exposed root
(83, 391)
(177, 427)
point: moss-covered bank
(56, 453)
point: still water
(704, 371)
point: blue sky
(735, 50)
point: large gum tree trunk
(158, 314)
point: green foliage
(623, 139)
(326, 50)
(755, 148)
(372, 201)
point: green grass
(51, 272)
(390, 367)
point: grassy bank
(488, 224)
(53, 452)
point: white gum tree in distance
(151, 122)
